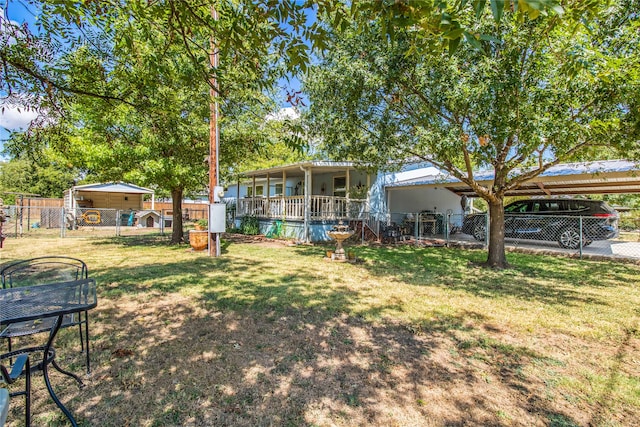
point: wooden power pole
(214, 240)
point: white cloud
(290, 113)
(14, 118)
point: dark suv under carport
(552, 220)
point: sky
(13, 117)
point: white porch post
(348, 184)
(268, 209)
(307, 203)
(283, 195)
(253, 196)
(153, 200)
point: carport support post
(580, 234)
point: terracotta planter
(199, 239)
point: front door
(150, 221)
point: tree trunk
(177, 234)
(497, 257)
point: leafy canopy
(519, 98)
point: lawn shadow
(173, 361)
(233, 341)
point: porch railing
(293, 207)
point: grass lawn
(272, 335)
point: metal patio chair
(38, 271)
(9, 376)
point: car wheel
(479, 232)
(569, 238)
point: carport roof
(113, 187)
(599, 177)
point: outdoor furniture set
(43, 295)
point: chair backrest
(40, 270)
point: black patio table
(44, 301)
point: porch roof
(296, 169)
(598, 177)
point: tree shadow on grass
(263, 347)
(173, 361)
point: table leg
(49, 357)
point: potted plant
(201, 224)
(199, 238)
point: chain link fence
(577, 235)
(83, 222)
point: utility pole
(214, 238)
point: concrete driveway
(604, 248)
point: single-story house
(311, 197)
(305, 200)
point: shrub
(249, 225)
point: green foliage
(518, 98)
(249, 225)
(48, 179)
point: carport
(598, 177)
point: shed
(112, 195)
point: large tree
(519, 96)
(159, 135)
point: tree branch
(46, 81)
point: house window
(278, 191)
(259, 191)
(340, 186)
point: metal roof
(113, 187)
(598, 177)
(296, 169)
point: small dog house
(148, 219)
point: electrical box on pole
(217, 218)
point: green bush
(249, 225)
(629, 221)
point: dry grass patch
(273, 335)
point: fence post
(117, 222)
(446, 229)
(162, 222)
(488, 228)
(63, 221)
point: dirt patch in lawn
(259, 239)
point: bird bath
(340, 233)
